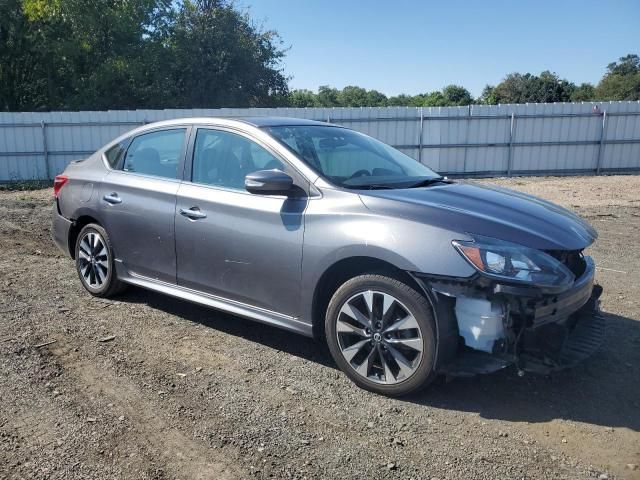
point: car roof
(253, 121)
(277, 121)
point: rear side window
(155, 153)
(115, 153)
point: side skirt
(261, 315)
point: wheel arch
(446, 327)
(345, 269)
(77, 226)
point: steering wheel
(360, 173)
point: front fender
(339, 226)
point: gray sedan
(330, 233)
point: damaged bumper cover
(543, 331)
(555, 346)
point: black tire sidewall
(108, 285)
(419, 306)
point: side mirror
(268, 182)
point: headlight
(514, 263)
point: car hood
(486, 210)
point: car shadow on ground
(605, 390)
(267, 335)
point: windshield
(351, 159)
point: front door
(230, 243)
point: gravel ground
(149, 387)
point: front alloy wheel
(380, 332)
(379, 337)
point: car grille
(573, 260)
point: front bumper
(556, 346)
(545, 332)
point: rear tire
(95, 262)
(381, 333)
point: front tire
(381, 333)
(95, 262)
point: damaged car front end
(525, 294)
(537, 310)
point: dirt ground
(148, 387)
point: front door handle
(112, 198)
(193, 213)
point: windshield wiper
(372, 186)
(393, 186)
(429, 181)
(378, 186)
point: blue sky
(412, 46)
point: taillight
(58, 183)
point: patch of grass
(26, 185)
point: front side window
(351, 159)
(155, 153)
(222, 158)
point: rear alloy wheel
(380, 332)
(94, 262)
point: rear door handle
(193, 213)
(112, 198)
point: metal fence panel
(485, 140)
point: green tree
(456, 95)
(488, 95)
(528, 88)
(105, 54)
(302, 98)
(551, 88)
(328, 97)
(220, 59)
(622, 80)
(451, 95)
(93, 54)
(21, 84)
(404, 100)
(433, 99)
(352, 96)
(627, 65)
(584, 92)
(376, 99)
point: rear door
(231, 243)
(138, 203)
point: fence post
(512, 127)
(601, 142)
(467, 124)
(45, 150)
(420, 135)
